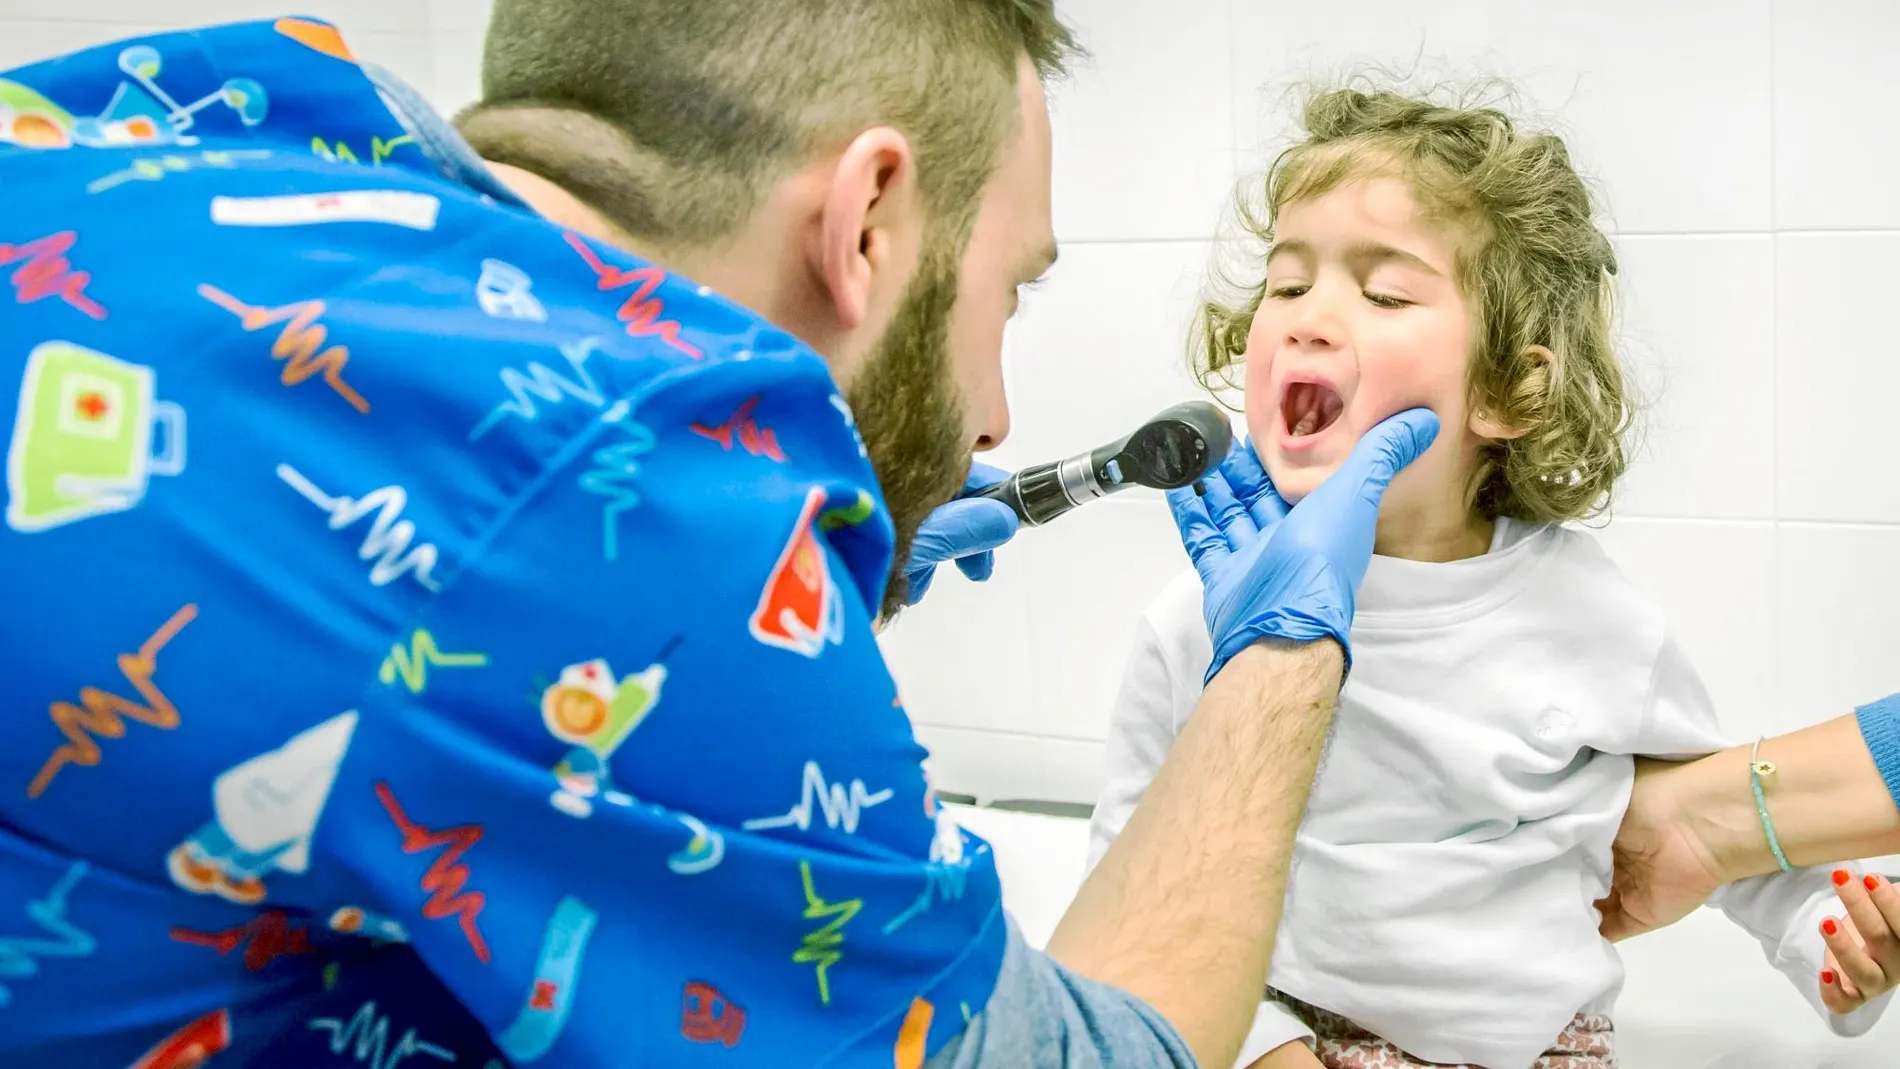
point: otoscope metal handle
(1040, 493)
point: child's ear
(1487, 423)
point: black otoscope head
(1177, 447)
(1174, 449)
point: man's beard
(906, 405)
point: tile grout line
(1774, 336)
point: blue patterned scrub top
(431, 637)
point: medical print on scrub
(311, 853)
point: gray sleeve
(1043, 1016)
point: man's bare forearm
(1183, 909)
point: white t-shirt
(1460, 827)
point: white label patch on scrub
(416, 211)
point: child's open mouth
(1309, 408)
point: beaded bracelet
(1758, 768)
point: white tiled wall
(1748, 150)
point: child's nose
(1315, 325)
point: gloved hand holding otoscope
(1174, 449)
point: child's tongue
(1307, 424)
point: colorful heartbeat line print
(641, 312)
(550, 386)
(379, 149)
(365, 1038)
(299, 344)
(101, 712)
(615, 469)
(388, 542)
(754, 439)
(446, 877)
(20, 956)
(411, 662)
(946, 874)
(821, 948)
(44, 272)
(265, 938)
(840, 807)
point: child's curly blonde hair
(1530, 260)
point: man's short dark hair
(673, 117)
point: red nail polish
(1873, 883)
(1841, 877)
(1829, 926)
(1827, 976)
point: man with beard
(417, 583)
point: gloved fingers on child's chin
(1203, 541)
(1251, 483)
(1401, 439)
(1387, 449)
(1225, 508)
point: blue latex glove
(965, 530)
(1268, 571)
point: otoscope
(1172, 450)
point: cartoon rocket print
(264, 814)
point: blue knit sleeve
(1880, 726)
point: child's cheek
(1380, 399)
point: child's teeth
(1307, 424)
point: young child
(1440, 909)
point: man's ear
(870, 216)
(1487, 423)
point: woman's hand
(1663, 871)
(1692, 827)
(1863, 947)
